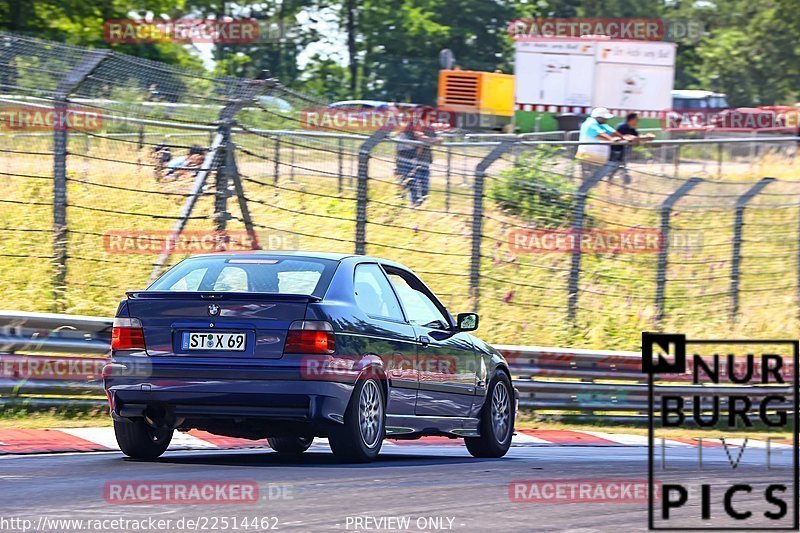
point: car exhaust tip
(160, 418)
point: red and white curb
(101, 439)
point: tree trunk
(16, 15)
(350, 7)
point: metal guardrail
(22, 332)
(551, 381)
(52, 380)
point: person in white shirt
(594, 157)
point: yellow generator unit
(481, 100)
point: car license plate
(196, 340)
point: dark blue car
(292, 345)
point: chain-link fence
(688, 234)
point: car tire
(138, 440)
(359, 439)
(290, 445)
(496, 421)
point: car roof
(691, 93)
(374, 103)
(291, 253)
(333, 256)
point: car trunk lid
(216, 324)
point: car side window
(422, 311)
(374, 294)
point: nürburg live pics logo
(723, 442)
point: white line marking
(102, 436)
(619, 438)
(184, 441)
(105, 437)
(522, 438)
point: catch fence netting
(688, 236)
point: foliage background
(388, 49)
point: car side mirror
(467, 321)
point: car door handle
(423, 340)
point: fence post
(719, 160)
(447, 180)
(741, 202)
(798, 269)
(477, 218)
(663, 253)
(291, 159)
(65, 87)
(677, 161)
(277, 156)
(578, 216)
(341, 163)
(364, 153)
(221, 187)
(232, 170)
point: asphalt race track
(435, 487)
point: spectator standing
(414, 159)
(619, 152)
(406, 154)
(594, 158)
(422, 174)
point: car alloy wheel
(370, 414)
(501, 411)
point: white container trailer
(559, 75)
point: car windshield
(274, 275)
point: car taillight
(310, 337)
(127, 334)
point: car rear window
(273, 275)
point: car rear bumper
(175, 391)
(284, 400)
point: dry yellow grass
(523, 297)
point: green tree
(400, 41)
(751, 53)
(81, 23)
(324, 78)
